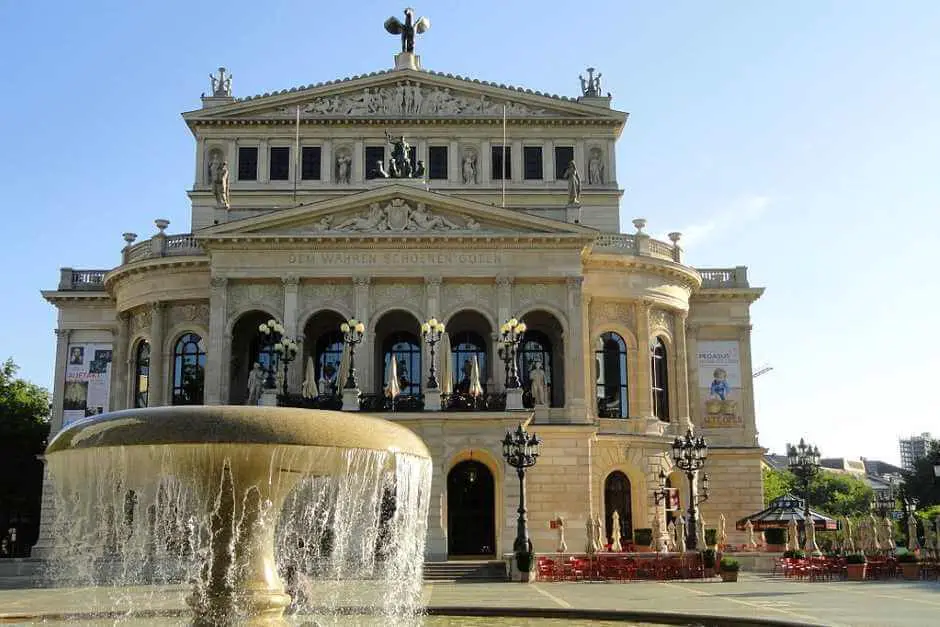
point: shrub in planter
(910, 568)
(728, 567)
(855, 566)
(775, 537)
(711, 537)
(643, 537)
(796, 554)
(708, 562)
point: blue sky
(799, 138)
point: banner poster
(87, 381)
(719, 381)
(672, 500)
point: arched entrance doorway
(471, 516)
(617, 498)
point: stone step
(465, 570)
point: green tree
(832, 493)
(24, 428)
(921, 484)
(776, 483)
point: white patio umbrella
(447, 376)
(309, 388)
(476, 389)
(392, 385)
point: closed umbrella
(309, 388)
(476, 389)
(392, 385)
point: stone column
(291, 289)
(58, 383)
(156, 395)
(575, 407)
(548, 161)
(358, 159)
(454, 163)
(515, 160)
(485, 163)
(610, 176)
(579, 159)
(119, 373)
(643, 385)
(326, 161)
(264, 158)
(747, 386)
(682, 382)
(362, 305)
(216, 356)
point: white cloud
(741, 211)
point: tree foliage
(24, 428)
(921, 484)
(832, 493)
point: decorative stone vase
(856, 572)
(910, 570)
(729, 575)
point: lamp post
(689, 454)
(885, 500)
(272, 337)
(521, 451)
(286, 351)
(352, 331)
(510, 334)
(431, 331)
(803, 461)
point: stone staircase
(465, 571)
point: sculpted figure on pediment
(397, 215)
(420, 219)
(374, 220)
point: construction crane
(761, 370)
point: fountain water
(230, 499)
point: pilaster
(610, 176)
(421, 154)
(362, 310)
(485, 163)
(454, 162)
(691, 362)
(58, 385)
(432, 289)
(358, 159)
(548, 161)
(579, 158)
(747, 385)
(119, 363)
(682, 382)
(515, 161)
(326, 161)
(216, 357)
(574, 353)
(643, 383)
(291, 289)
(264, 159)
(156, 396)
(503, 313)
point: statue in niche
(591, 86)
(219, 179)
(574, 183)
(255, 384)
(537, 385)
(469, 168)
(595, 168)
(408, 30)
(221, 86)
(343, 163)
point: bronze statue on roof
(408, 30)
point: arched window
(407, 351)
(535, 347)
(617, 498)
(142, 374)
(189, 370)
(328, 355)
(463, 347)
(660, 383)
(611, 370)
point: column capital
(157, 306)
(504, 280)
(123, 316)
(433, 281)
(218, 282)
(290, 280)
(574, 282)
(62, 333)
(362, 281)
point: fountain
(229, 499)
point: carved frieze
(407, 99)
(455, 295)
(188, 313)
(390, 294)
(610, 311)
(527, 294)
(140, 321)
(315, 296)
(661, 320)
(395, 216)
(241, 295)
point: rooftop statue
(221, 86)
(408, 29)
(591, 86)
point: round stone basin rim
(236, 424)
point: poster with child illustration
(719, 381)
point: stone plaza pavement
(836, 603)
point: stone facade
(314, 250)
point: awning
(781, 511)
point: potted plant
(910, 566)
(711, 537)
(643, 539)
(728, 568)
(855, 566)
(708, 562)
(775, 539)
(796, 554)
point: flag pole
(297, 153)
(503, 205)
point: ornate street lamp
(885, 500)
(272, 338)
(689, 454)
(352, 331)
(521, 451)
(510, 334)
(431, 331)
(803, 461)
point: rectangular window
(310, 163)
(279, 166)
(375, 157)
(497, 173)
(563, 156)
(248, 163)
(532, 163)
(437, 162)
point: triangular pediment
(396, 210)
(404, 94)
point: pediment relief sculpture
(395, 216)
(409, 98)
